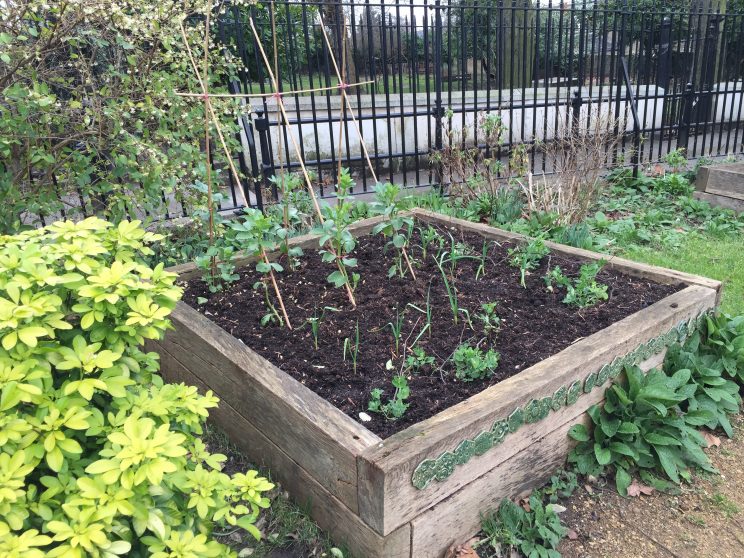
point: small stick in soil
(276, 290)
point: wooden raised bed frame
(415, 493)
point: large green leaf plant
(98, 456)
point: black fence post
(267, 162)
(254, 172)
(576, 103)
(664, 67)
(707, 72)
(688, 103)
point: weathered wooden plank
(329, 512)
(636, 269)
(458, 518)
(189, 271)
(308, 428)
(387, 498)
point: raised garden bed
(411, 487)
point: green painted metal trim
(536, 410)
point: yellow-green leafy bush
(99, 457)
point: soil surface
(535, 324)
(704, 520)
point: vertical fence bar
(438, 107)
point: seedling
(527, 257)
(336, 240)
(395, 226)
(482, 266)
(396, 407)
(352, 348)
(430, 236)
(487, 317)
(217, 266)
(272, 316)
(533, 533)
(396, 327)
(451, 291)
(288, 184)
(471, 363)
(258, 235)
(315, 323)
(582, 292)
(418, 360)
(426, 312)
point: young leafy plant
(336, 240)
(396, 328)
(216, 265)
(535, 533)
(418, 360)
(584, 291)
(471, 363)
(527, 257)
(259, 235)
(714, 393)
(395, 226)
(315, 322)
(351, 348)
(641, 427)
(288, 184)
(488, 318)
(430, 237)
(396, 407)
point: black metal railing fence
(433, 66)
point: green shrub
(640, 427)
(99, 457)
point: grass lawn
(719, 258)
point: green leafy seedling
(471, 363)
(396, 407)
(259, 235)
(584, 291)
(394, 226)
(335, 238)
(527, 257)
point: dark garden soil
(535, 323)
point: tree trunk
(333, 18)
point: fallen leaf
(557, 508)
(462, 551)
(712, 441)
(636, 489)
(589, 489)
(572, 535)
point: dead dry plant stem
(298, 152)
(276, 289)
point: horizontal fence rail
(434, 67)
